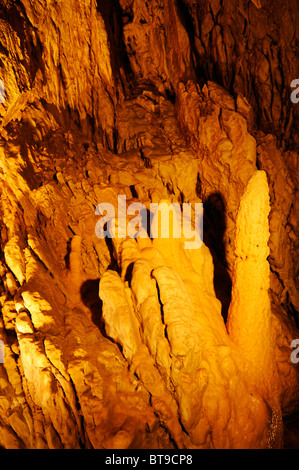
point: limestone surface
(144, 342)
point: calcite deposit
(145, 341)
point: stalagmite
(199, 346)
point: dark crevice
(214, 226)
(82, 443)
(162, 311)
(291, 310)
(133, 191)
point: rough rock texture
(142, 343)
(251, 49)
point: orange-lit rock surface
(142, 343)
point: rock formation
(121, 342)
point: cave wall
(180, 100)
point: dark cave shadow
(214, 226)
(146, 219)
(113, 266)
(205, 67)
(291, 309)
(68, 252)
(89, 293)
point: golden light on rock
(148, 225)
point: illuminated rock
(148, 343)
